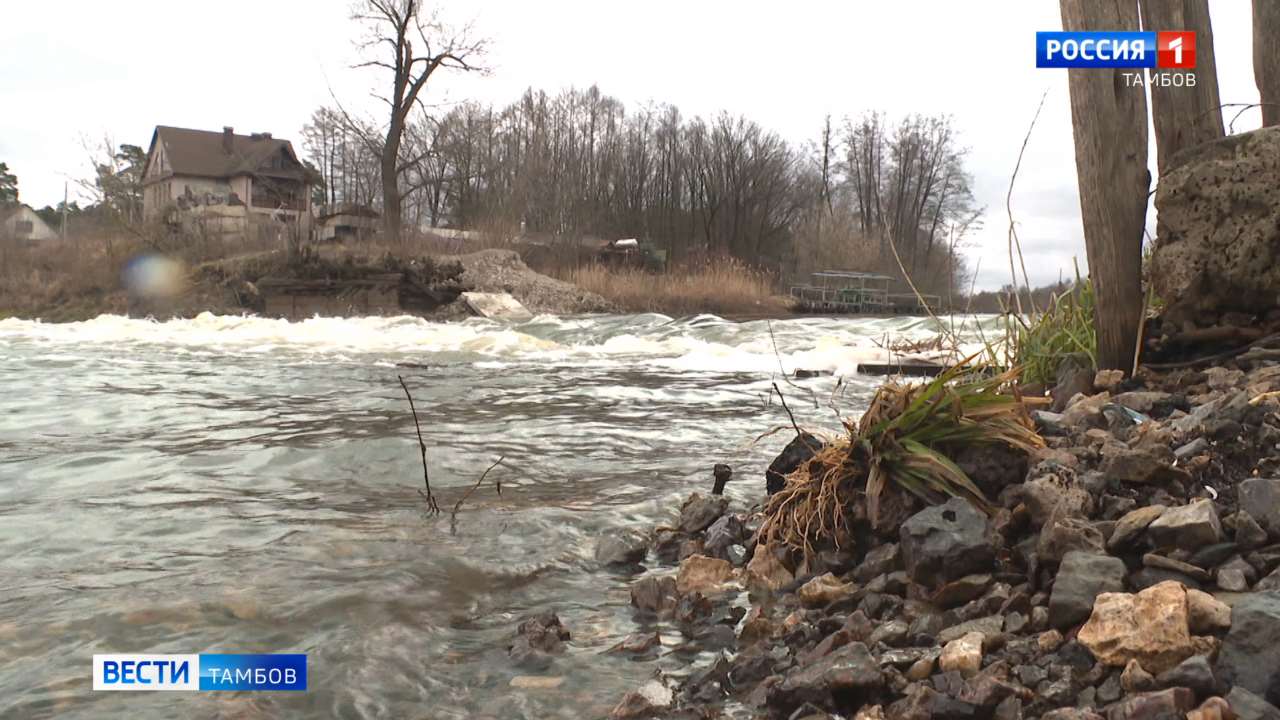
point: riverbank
(427, 286)
(1129, 569)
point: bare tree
(1266, 58)
(399, 24)
(1185, 116)
(1109, 122)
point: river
(228, 484)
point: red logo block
(1176, 50)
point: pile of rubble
(1134, 573)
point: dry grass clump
(725, 287)
(37, 275)
(901, 445)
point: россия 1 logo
(1116, 49)
(200, 672)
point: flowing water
(228, 484)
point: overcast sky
(82, 69)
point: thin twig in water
(426, 479)
(453, 516)
(1013, 234)
(782, 370)
(794, 425)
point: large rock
(1260, 498)
(1189, 527)
(1218, 230)
(1195, 672)
(800, 450)
(1251, 653)
(703, 574)
(724, 534)
(1081, 578)
(1150, 626)
(846, 670)
(699, 511)
(626, 548)
(654, 594)
(946, 542)
(1248, 706)
(767, 573)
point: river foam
(699, 343)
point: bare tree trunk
(1266, 58)
(1184, 116)
(1109, 121)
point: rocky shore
(1129, 570)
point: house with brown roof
(230, 183)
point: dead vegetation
(725, 287)
(900, 450)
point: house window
(24, 227)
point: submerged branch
(453, 516)
(432, 505)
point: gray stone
(1211, 556)
(989, 626)
(699, 511)
(626, 548)
(1248, 533)
(946, 542)
(1189, 527)
(1129, 527)
(1191, 449)
(1232, 579)
(1049, 423)
(1161, 562)
(1138, 465)
(1260, 498)
(1250, 656)
(1195, 672)
(848, 668)
(1218, 211)
(1081, 578)
(1171, 704)
(723, 534)
(1061, 535)
(892, 633)
(1270, 582)
(880, 560)
(1149, 402)
(1248, 706)
(1047, 493)
(961, 591)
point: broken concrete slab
(496, 306)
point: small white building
(20, 222)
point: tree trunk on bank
(1184, 116)
(1109, 122)
(391, 220)
(1266, 58)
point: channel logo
(1116, 49)
(208, 672)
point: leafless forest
(579, 164)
